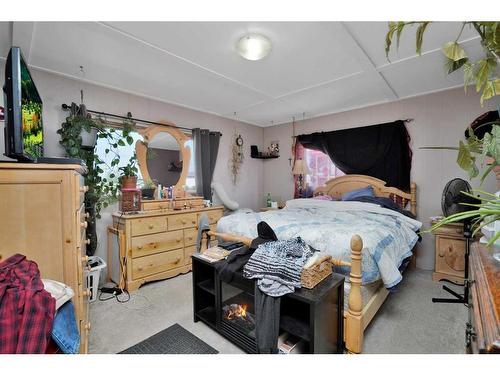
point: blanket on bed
(388, 236)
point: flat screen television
(23, 111)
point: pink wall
(56, 90)
(440, 120)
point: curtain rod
(67, 107)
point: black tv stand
(45, 160)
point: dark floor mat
(173, 340)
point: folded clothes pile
(278, 266)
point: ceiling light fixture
(254, 46)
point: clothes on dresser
(278, 266)
(26, 308)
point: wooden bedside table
(450, 253)
(264, 209)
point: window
(321, 167)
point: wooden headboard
(340, 185)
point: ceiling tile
(304, 53)
(426, 73)
(5, 38)
(352, 92)
(371, 37)
(115, 60)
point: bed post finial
(354, 326)
(413, 199)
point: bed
(370, 242)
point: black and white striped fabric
(278, 265)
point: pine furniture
(482, 334)
(158, 244)
(449, 253)
(42, 216)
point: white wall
(56, 90)
(440, 120)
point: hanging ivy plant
(101, 178)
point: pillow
(364, 192)
(323, 198)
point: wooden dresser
(483, 328)
(42, 217)
(159, 244)
(449, 253)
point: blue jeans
(65, 329)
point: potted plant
(483, 74)
(128, 179)
(148, 189)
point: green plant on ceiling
(483, 73)
(101, 177)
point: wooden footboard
(353, 318)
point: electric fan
(454, 201)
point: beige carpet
(408, 322)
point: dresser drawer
(182, 221)
(148, 225)
(188, 251)
(156, 243)
(156, 205)
(151, 264)
(450, 256)
(190, 236)
(213, 216)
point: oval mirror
(164, 159)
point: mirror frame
(141, 149)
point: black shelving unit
(314, 315)
(264, 156)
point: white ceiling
(314, 68)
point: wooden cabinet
(42, 216)
(159, 244)
(482, 334)
(449, 253)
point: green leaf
(130, 140)
(106, 151)
(491, 89)
(388, 37)
(484, 67)
(466, 161)
(452, 65)
(468, 74)
(121, 143)
(420, 36)
(453, 51)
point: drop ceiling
(314, 68)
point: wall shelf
(264, 156)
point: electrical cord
(115, 295)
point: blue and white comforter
(388, 236)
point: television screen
(31, 109)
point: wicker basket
(311, 277)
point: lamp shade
(300, 168)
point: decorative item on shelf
(148, 189)
(237, 157)
(256, 154)
(130, 200)
(300, 169)
(274, 149)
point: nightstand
(264, 209)
(450, 253)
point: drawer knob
(84, 225)
(139, 247)
(139, 268)
(85, 259)
(87, 241)
(184, 221)
(179, 239)
(177, 260)
(86, 292)
(87, 326)
(84, 189)
(151, 226)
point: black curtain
(206, 148)
(381, 151)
